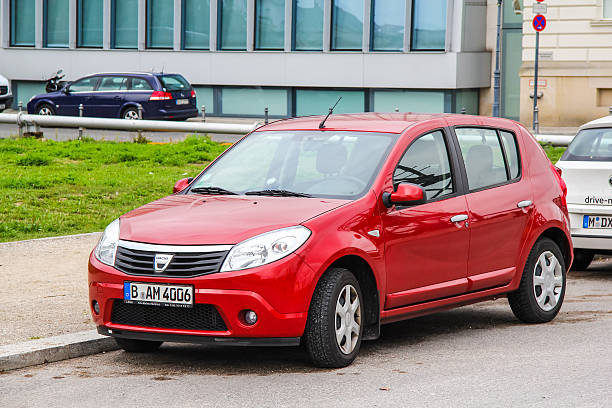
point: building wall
(575, 67)
(463, 64)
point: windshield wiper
(211, 190)
(277, 193)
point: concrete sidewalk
(44, 287)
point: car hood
(207, 220)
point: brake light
(193, 94)
(558, 172)
(160, 96)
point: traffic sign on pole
(539, 22)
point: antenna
(331, 110)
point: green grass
(55, 188)
(554, 153)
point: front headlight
(107, 247)
(265, 248)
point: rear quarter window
(174, 83)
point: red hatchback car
(320, 232)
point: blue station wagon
(117, 95)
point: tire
(542, 289)
(130, 113)
(45, 109)
(582, 259)
(138, 346)
(323, 321)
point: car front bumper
(6, 100)
(279, 293)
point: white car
(6, 97)
(587, 170)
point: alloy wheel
(130, 114)
(45, 110)
(547, 281)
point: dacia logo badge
(162, 261)
(610, 181)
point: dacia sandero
(319, 230)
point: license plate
(597, 222)
(182, 101)
(2, 106)
(160, 294)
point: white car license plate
(597, 222)
(158, 294)
(182, 101)
(2, 106)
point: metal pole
(536, 122)
(610, 109)
(20, 104)
(463, 111)
(81, 115)
(139, 106)
(397, 109)
(266, 116)
(203, 113)
(496, 73)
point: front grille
(3, 90)
(199, 317)
(182, 265)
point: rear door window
(84, 85)
(426, 164)
(113, 83)
(484, 158)
(140, 84)
(512, 155)
(590, 145)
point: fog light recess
(96, 307)
(250, 317)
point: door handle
(459, 218)
(525, 203)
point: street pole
(536, 124)
(496, 74)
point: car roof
(606, 121)
(377, 122)
(134, 73)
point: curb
(25, 241)
(57, 348)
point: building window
(607, 8)
(205, 97)
(89, 23)
(318, 101)
(160, 23)
(196, 24)
(388, 18)
(233, 21)
(23, 91)
(253, 101)
(22, 23)
(308, 25)
(55, 23)
(270, 24)
(466, 100)
(124, 20)
(409, 101)
(428, 25)
(347, 25)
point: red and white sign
(539, 22)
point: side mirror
(181, 184)
(66, 90)
(406, 194)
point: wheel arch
(127, 106)
(560, 238)
(369, 289)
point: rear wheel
(542, 288)
(138, 346)
(130, 113)
(45, 109)
(334, 328)
(582, 259)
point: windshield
(590, 145)
(174, 83)
(308, 163)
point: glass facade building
(160, 23)
(55, 29)
(22, 23)
(308, 25)
(269, 24)
(196, 24)
(89, 23)
(124, 24)
(347, 25)
(232, 22)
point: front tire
(582, 259)
(335, 320)
(138, 346)
(45, 109)
(542, 289)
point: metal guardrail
(555, 140)
(33, 123)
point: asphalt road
(476, 356)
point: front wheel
(138, 346)
(542, 288)
(45, 109)
(335, 325)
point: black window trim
(462, 162)
(457, 177)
